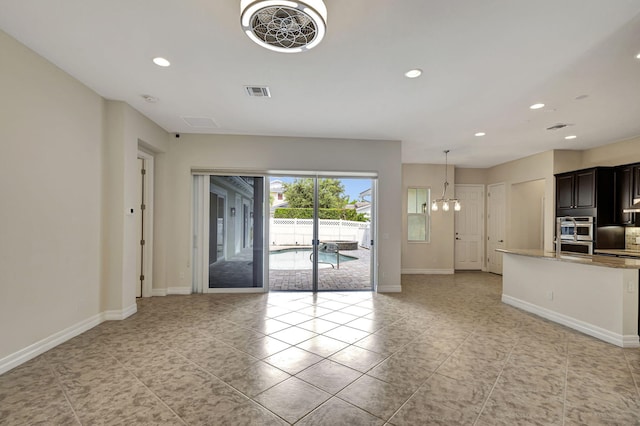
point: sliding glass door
(230, 215)
(320, 233)
(315, 235)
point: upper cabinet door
(564, 191)
(585, 190)
(636, 182)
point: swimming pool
(298, 259)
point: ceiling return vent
(201, 122)
(258, 91)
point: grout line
(146, 387)
(56, 376)
(427, 379)
(566, 375)
(506, 361)
(631, 372)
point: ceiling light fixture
(149, 98)
(161, 62)
(570, 137)
(282, 25)
(638, 56)
(442, 200)
(536, 106)
(414, 73)
(480, 134)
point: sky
(352, 186)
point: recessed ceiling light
(570, 137)
(161, 62)
(638, 56)
(413, 73)
(537, 106)
(150, 99)
(480, 134)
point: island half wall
(596, 295)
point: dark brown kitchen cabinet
(627, 190)
(636, 182)
(576, 190)
(588, 192)
(565, 191)
(625, 193)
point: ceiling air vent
(202, 122)
(258, 91)
(558, 126)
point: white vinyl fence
(291, 232)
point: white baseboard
(23, 355)
(179, 290)
(624, 341)
(389, 289)
(159, 292)
(118, 315)
(413, 271)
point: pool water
(298, 259)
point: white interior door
(469, 228)
(496, 225)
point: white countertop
(595, 260)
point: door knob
(457, 238)
(501, 241)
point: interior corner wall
(261, 154)
(51, 133)
(437, 255)
(126, 131)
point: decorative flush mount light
(282, 25)
(161, 62)
(442, 200)
(414, 73)
(536, 106)
(480, 134)
(570, 137)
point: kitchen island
(597, 295)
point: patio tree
(299, 193)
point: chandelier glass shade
(283, 25)
(444, 201)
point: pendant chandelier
(446, 202)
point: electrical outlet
(631, 287)
(637, 240)
(550, 295)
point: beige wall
(436, 256)
(67, 173)
(262, 154)
(127, 131)
(51, 134)
(527, 214)
(471, 176)
(614, 154)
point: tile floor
(445, 351)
